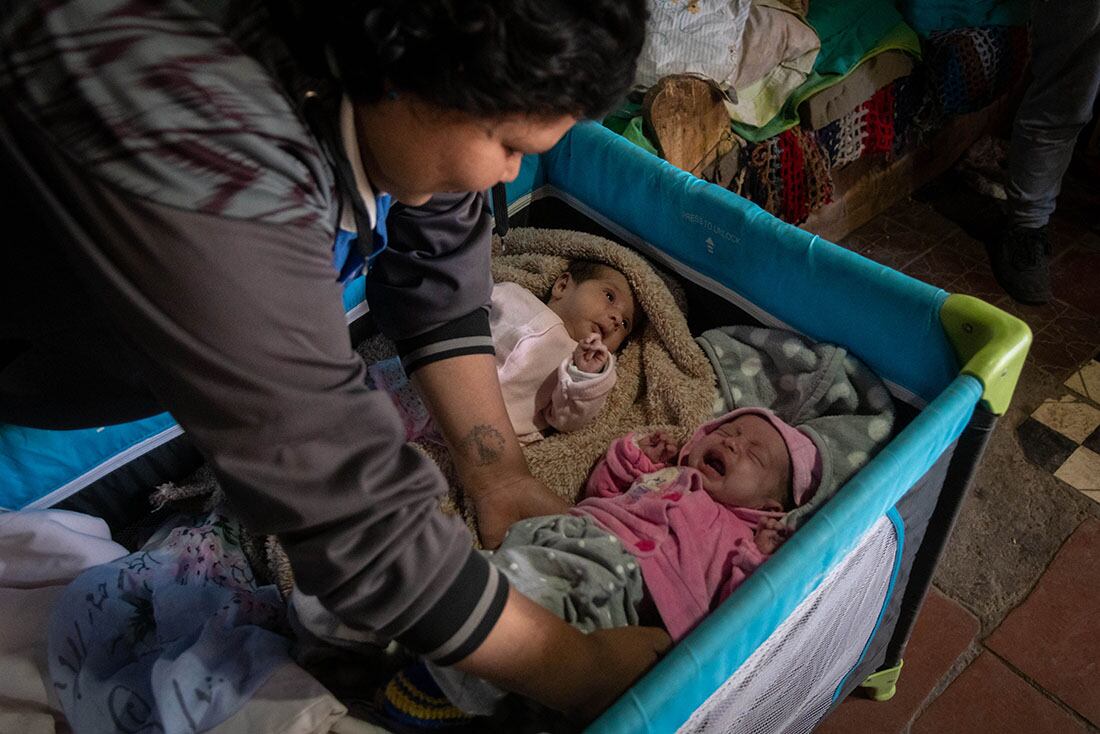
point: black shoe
(1019, 259)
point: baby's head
(750, 458)
(592, 297)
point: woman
(188, 170)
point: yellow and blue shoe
(412, 699)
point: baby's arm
(584, 381)
(770, 534)
(591, 355)
(627, 459)
(750, 553)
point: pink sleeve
(617, 471)
(575, 403)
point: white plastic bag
(692, 37)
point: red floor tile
(1036, 317)
(1054, 636)
(944, 630)
(978, 282)
(890, 250)
(877, 228)
(989, 697)
(966, 243)
(1067, 342)
(940, 266)
(1075, 277)
(921, 216)
(1069, 231)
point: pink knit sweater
(692, 550)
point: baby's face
(744, 463)
(604, 305)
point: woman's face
(412, 149)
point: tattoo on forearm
(482, 446)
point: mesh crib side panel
(915, 509)
(787, 685)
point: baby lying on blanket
(666, 532)
(554, 360)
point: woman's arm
(534, 653)
(430, 293)
(464, 398)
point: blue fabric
(347, 255)
(355, 292)
(173, 638)
(532, 175)
(380, 238)
(36, 462)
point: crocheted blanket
(788, 175)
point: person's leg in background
(1065, 67)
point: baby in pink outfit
(700, 518)
(668, 529)
(555, 360)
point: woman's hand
(536, 654)
(503, 504)
(624, 654)
(464, 398)
(591, 355)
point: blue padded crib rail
(727, 243)
(786, 277)
(700, 663)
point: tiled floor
(1063, 433)
(1010, 639)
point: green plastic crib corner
(882, 685)
(990, 344)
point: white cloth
(362, 184)
(40, 552)
(701, 37)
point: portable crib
(834, 607)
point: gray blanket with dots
(821, 388)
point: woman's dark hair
(487, 58)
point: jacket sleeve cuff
(636, 458)
(463, 617)
(467, 334)
(580, 385)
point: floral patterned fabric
(175, 637)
